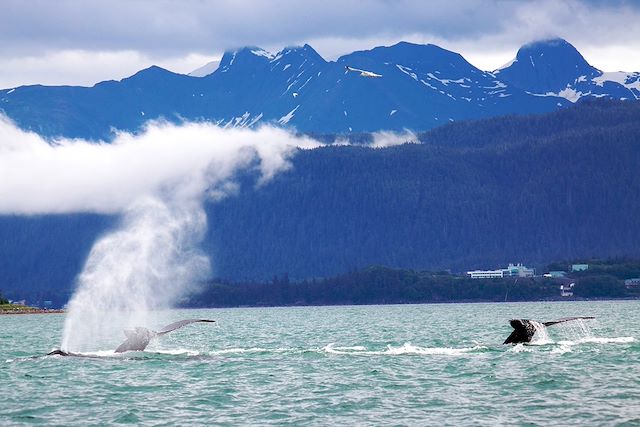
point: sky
(75, 42)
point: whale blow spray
(156, 181)
(149, 263)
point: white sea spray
(156, 181)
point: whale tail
(524, 329)
(138, 338)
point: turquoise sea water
(354, 365)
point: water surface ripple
(355, 365)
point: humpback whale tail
(524, 329)
(138, 338)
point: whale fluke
(524, 329)
(138, 338)
(180, 323)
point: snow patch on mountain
(569, 94)
(628, 80)
(507, 65)
(205, 70)
(262, 52)
(287, 117)
(407, 71)
(246, 120)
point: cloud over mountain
(183, 36)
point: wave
(520, 348)
(405, 349)
(240, 350)
(600, 340)
(554, 347)
(175, 352)
(566, 346)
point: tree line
(384, 285)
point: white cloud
(167, 161)
(183, 36)
(86, 68)
(389, 139)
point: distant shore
(21, 309)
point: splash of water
(541, 334)
(572, 332)
(405, 349)
(147, 264)
(577, 330)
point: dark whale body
(138, 338)
(59, 352)
(524, 329)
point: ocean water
(352, 365)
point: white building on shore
(567, 290)
(513, 270)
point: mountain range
(421, 87)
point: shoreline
(462, 301)
(4, 312)
(31, 311)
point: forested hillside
(604, 279)
(477, 194)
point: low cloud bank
(172, 161)
(383, 139)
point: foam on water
(175, 352)
(567, 346)
(100, 353)
(405, 349)
(520, 348)
(599, 340)
(242, 350)
(346, 349)
(561, 349)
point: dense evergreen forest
(472, 195)
(534, 189)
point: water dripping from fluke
(524, 330)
